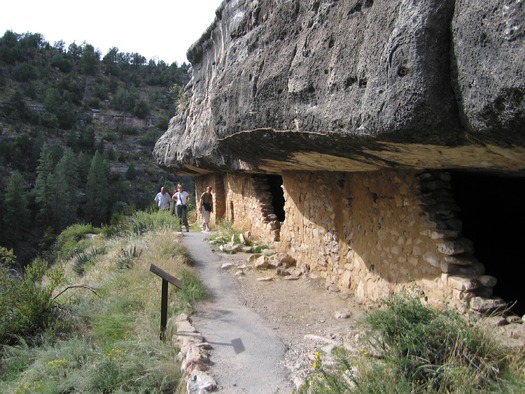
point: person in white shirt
(181, 198)
(163, 199)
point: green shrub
(171, 249)
(112, 343)
(81, 261)
(224, 234)
(334, 378)
(73, 240)
(430, 346)
(84, 259)
(27, 307)
(191, 291)
(123, 130)
(149, 138)
(419, 349)
(126, 257)
(7, 258)
(142, 222)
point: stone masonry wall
(377, 233)
(360, 231)
(370, 233)
(235, 200)
(244, 204)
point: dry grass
(113, 343)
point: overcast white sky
(157, 29)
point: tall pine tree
(16, 216)
(43, 193)
(65, 187)
(98, 191)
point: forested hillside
(76, 133)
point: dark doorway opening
(275, 182)
(493, 216)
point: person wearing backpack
(206, 208)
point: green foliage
(16, 216)
(53, 95)
(131, 173)
(17, 107)
(112, 344)
(181, 97)
(7, 258)
(27, 307)
(43, 195)
(123, 130)
(331, 378)
(163, 123)
(144, 366)
(150, 138)
(429, 345)
(141, 109)
(125, 99)
(224, 234)
(73, 240)
(24, 72)
(141, 222)
(191, 291)
(89, 60)
(111, 327)
(168, 250)
(65, 190)
(84, 259)
(59, 61)
(419, 349)
(127, 256)
(98, 191)
(58, 103)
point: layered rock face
(334, 130)
(354, 85)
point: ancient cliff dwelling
(381, 143)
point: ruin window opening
(493, 216)
(276, 182)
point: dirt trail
(246, 352)
(264, 329)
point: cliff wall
(354, 85)
(330, 129)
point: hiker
(206, 207)
(181, 198)
(163, 199)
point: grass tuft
(419, 349)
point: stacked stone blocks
(371, 233)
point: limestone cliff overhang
(354, 86)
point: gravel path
(265, 328)
(246, 353)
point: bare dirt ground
(304, 314)
(308, 317)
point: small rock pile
(193, 356)
(282, 264)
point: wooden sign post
(164, 299)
